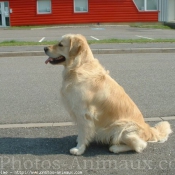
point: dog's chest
(74, 95)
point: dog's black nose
(46, 49)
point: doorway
(4, 14)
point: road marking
(97, 28)
(41, 125)
(144, 37)
(95, 38)
(168, 118)
(35, 125)
(41, 39)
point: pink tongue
(48, 60)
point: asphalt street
(29, 93)
(90, 32)
(30, 89)
(46, 151)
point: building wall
(163, 10)
(171, 10)
(100, 11)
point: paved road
(91, 33)
(30, 89)
(29, 93)
(46, 151)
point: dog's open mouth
(58, 60)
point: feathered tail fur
(160, 132)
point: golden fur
(98, 104)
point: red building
(50, 12)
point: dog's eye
(60, 45)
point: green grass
(139, 25)
(26, 27)
(141, 40)
(151, 26)
(105, 41)
(25, 43)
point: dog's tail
(160, 132)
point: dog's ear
(79, 51)
(75, 46)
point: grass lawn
(150, 26)
(139, 25)
(29, 43)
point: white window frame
(44, 12)
(145, 6)
(81, 11)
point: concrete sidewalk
(115, 48)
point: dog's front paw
(77, 151)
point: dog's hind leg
(119, 148)
(134, 141)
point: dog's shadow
(48, 146)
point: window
(140, 4)
(152, 4)
(43, 6)
(80, 6)
(6, 10)
(145, 5)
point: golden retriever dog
(100, 107)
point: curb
(61, 124)
(95, 51)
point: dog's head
(72, 50)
